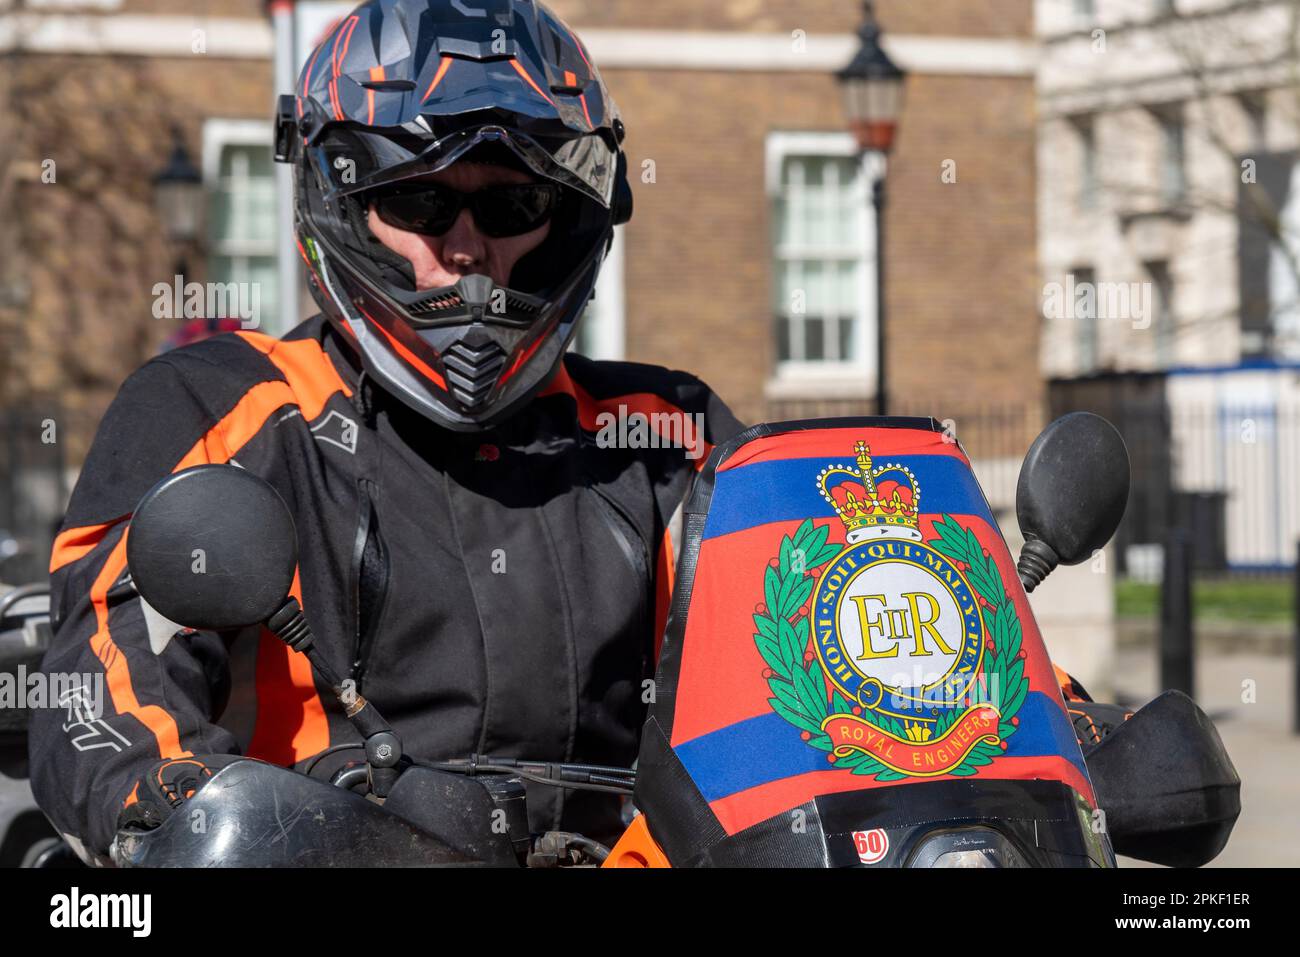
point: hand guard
(167, 786)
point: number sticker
(872, 846)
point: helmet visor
(351, 160)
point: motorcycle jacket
(494, 593)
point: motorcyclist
(482, 552)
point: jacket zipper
(365, 631)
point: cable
(311, 765)
(347, 778)
(540, 779)
(605, 780)
(583, 771)
(594, 848)
(577, 777)
(568, 773)
(567, 839)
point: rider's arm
(131, 692)
(1071, 690)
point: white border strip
(811, 53)
(229, 38)
(137, 35)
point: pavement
(1249, 696)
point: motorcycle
(26, 837)
(850, 675)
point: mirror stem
(383, 748)
(1037, 559)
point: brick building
(733, 115)
(758, 197)
(750, 260)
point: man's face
(463, 250)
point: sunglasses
(499, 211)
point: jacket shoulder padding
(605, 384)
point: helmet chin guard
(511, 87)
(487, 348)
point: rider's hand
(167, 786)
(1093, 721)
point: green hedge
(1235, 599)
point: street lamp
(872, 85)
(178, 198)
(178, 203)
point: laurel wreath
(799, 687)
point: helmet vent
(389, 86)
(514, 302)
(439, 303)
(473, 371)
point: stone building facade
(1163, 127)
(1170, 255)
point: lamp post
(872, 86)
(284, 25)
(178, 199)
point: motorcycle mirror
(213, 547)
(1071, 494)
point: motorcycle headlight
(967, 847)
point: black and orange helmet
(402, 88)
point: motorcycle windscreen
(847, 618)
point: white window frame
(1174, 179)
(607, 334)
(855, 377)
(1254, 106)
(217, 135)
(1087, 327)
(78, 5)
(1164, 324)
(1085, 130)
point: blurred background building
(1167, 159)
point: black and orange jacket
(497, 593)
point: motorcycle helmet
(400, 89)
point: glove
(167, 786)
(1093, 721)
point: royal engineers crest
(898, 657)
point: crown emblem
(873, 501)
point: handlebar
(252, 814)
